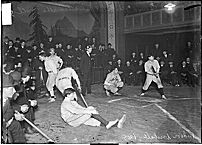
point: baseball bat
(75, 85)
(154, 71)
(30, 123)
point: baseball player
(76, 115)
(63, 79)
(113, 82)
(52, 66)
(152, 74)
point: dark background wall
(174, 43)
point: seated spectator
(183, 71)
(113, 83)
(129, 74)
(76, 115)
(172, 75)
(165, 57)
(139, 73)
(11, 129)
(114, 59)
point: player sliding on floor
(152, 69)
(75, 115)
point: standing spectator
(133, 59)
(94, 41)
(188, 50)
(68, 55)
(94, 55)
(42, 48)
(5, 45)
(142, 57)
(109, 67)
(100, 56)
(164, 72)
(50, 43)
(120, 67)
(165, 57)
(129, 74)
(76, 57)
(23, 47)
(60, 51)
(85, 43)
(40, 73)
(139, 73)
(110, 51)
(114, 59)
(190, 69)
(86, 70)
(35, 51)
(15, 54)
(157, 51)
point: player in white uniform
(76, 115)
(152, 68)
(63, 79)
(113, 82)
(52, 66)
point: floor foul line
(181, 125)
(116, 100)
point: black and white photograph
(100, 72)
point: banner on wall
(111, 23)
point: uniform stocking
(99, 118)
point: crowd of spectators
(131, 71)
(23, 69)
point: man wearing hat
(152, 68)
(12, 131)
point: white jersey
(148, 67)
(63, 79)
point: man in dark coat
(24, 104)
(86, 70)
(11, 128)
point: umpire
(86, 70)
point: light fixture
(170, 6)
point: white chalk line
(181, 125)
(152, 101)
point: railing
(160, 18)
